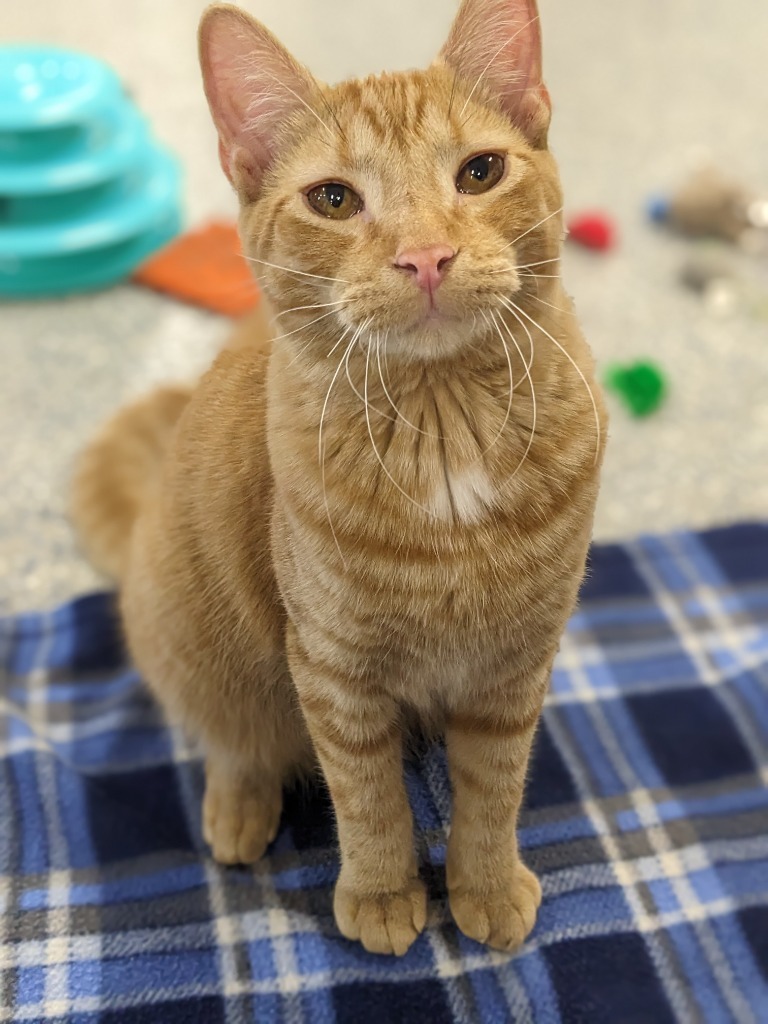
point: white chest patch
(465, 496)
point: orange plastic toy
(205, 267)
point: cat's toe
(501, 918)
(239, 828)
(384, 923)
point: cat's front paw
(384, 923)
(501, 918)
(238, 825)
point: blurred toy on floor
(206, 268)
(595, 230)
(641, 386)
(710, 204)
(86, 193)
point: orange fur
(372, 514)
(117, 472)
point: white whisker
(290, 270)
(398, 414)
(343, 336)
(314, 305)
(511, 387)
(303, 348)
(321, 449)
(522, 266)
(528, 366)
(353, 386)
(304, 326)
(533, 228)
(511, 306)
(453, 93)
(373, 442)
(540, 263)
(567, 312)
(328, 107)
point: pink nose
(427, 265)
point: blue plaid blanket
(646, 818)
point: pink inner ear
(253, 86)
(495, 45)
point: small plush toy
(710, 204)
(592, 230)
(641, 386)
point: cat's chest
(464, 494)
(455, 649)
(437, 462)
(453, 636)
(454, 606)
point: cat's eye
(480, 174)
(334, 200)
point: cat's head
(403, 205)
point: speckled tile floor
(637, 89)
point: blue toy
(658, 209)
(85, 192)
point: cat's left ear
(495, 45)
(253, 86)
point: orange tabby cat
(383, 511)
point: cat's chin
(433, 321)
(433, 338)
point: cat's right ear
(253, 86)
(495, 45)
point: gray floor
(639, 90)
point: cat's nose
(427, 265)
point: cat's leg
(251, 752)
(247, 722)
(494, 897)
(227, 686)
(357, 734)
(241, 807)
(251, 732)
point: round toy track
(86, 194)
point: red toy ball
(592, 230)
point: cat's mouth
(432, 317)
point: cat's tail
(118, 471)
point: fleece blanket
(646, 818)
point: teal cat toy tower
(86, 194)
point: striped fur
(357, 523)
